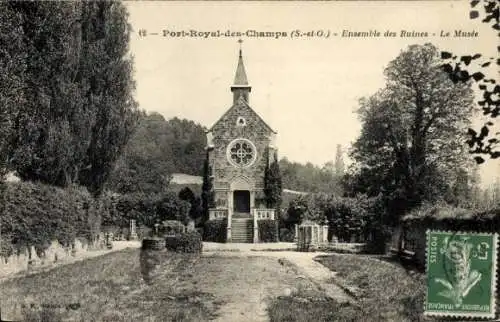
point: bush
(6, 248)
(146, 209)
(36, 214)
(378, 244)
(189, 242)
(287, 235)
(153, 243)
(215, 230)
(138, 206)
(268, 230)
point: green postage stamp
(461, 274)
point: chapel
(240, 145)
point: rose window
(241, 152)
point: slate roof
(248, 106)
(241, 80)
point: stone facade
(240, 145)
(227, 176)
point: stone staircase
(242, 230)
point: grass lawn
(384, 292)
(134, 285)
(122, 286)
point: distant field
(181, 178)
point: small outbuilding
(311, 235)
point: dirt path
(272, 273)
(246, 284)
(234, 283)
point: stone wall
(225, 131)
(28, 259)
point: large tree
(413, 130)
(78, 110)
(308, 177)
(207, 188)
(44, 145)
(157, 149)
(339, 162)
(485, 141)
(272, 183)
(12, 69)
(144, 166)
(108, 68)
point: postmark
(461, 274)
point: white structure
(310, 235)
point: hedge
(268, 230)
(153, 243)
(189, 242)
(146, 209)
(215, 230)
(36, 214)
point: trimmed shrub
(189, 242)
(36, 214)
(268, 230)
(153, 243)
(215, 230)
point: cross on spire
(240, 41)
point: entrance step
(242, 230)
(242, 215)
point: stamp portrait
(461, 274)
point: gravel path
(245, 277)
(302, 265)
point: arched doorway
(241, 195)
(241, 200)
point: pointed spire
(240, 87)
(241, 76)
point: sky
(306, 88)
